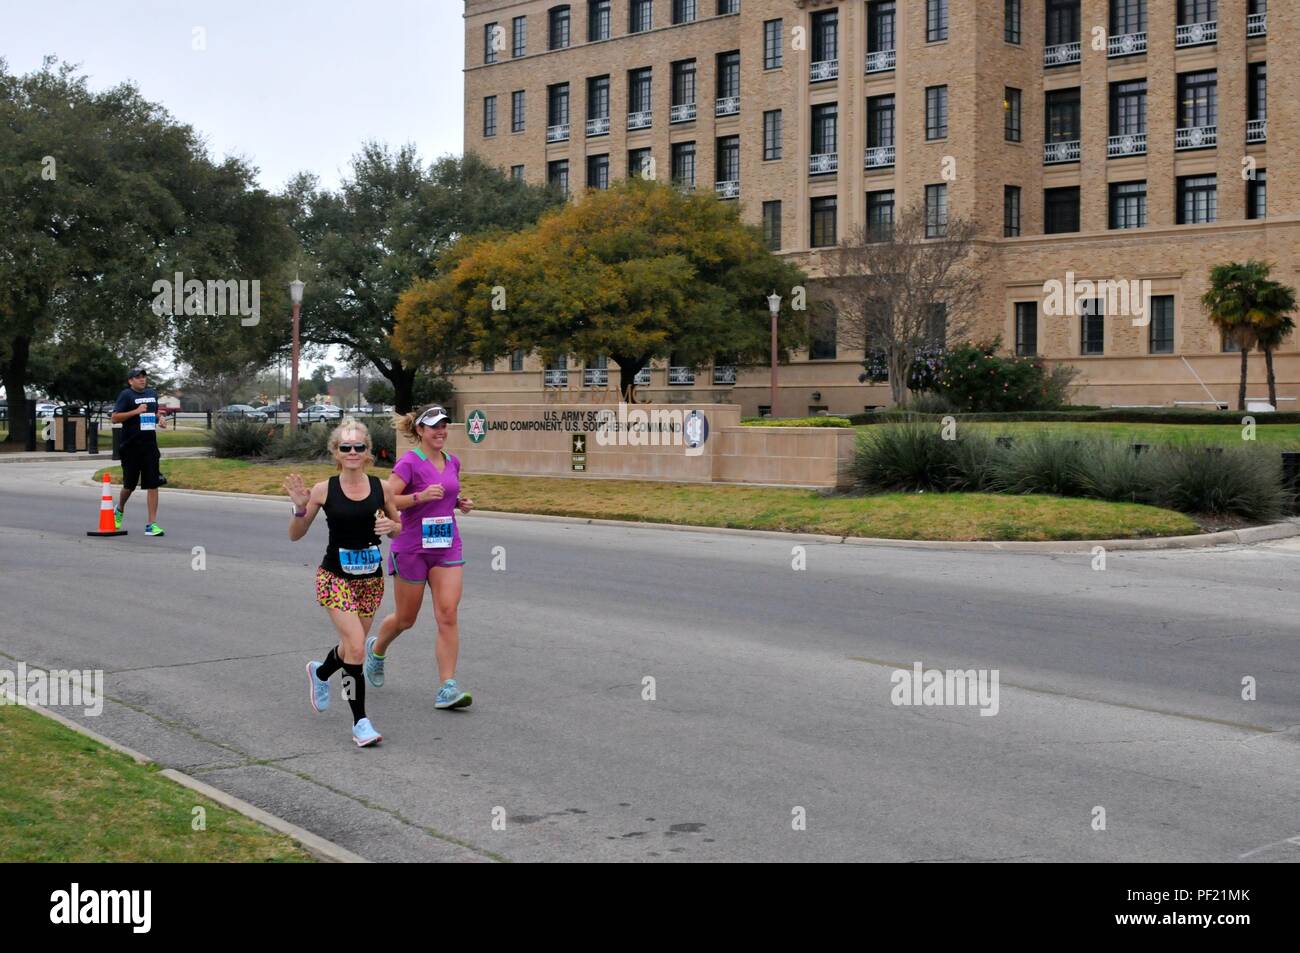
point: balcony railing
(882, 61)
(1058, 152)
(724, 374)
(1196, 137)
(1195, 34)
(729, 189)
(640, 120)
(880, 157)
(727, 106)
(1257, 130)
(642, 378)
(598, 126)
(557, 133)
(555, 378)
(823, 71)
(681, 375)
(1127, 44)
(823, 163)
(595, 377)
(682, 112)
(1062, 54)
(1257, 24)
(1129, 144)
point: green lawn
(65, 798)
(1281, 436)
(944, 516)
(166, 438)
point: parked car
(45, 409)
(318, 412)
(241, 411)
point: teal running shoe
(450, 696)
(318, 691)
(364, 734)
(373, 666)
(153, 529)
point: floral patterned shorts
(361, 596)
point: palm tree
(1270, 338)
(1245, 303)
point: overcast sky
(288, 84)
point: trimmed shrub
(975, 377)
(796, 422)
(1114, 471)
(240, 438)
(1041, 463)
(1239, 481)
(908, 456)
(976, 463)
(931, 403)
(307, 443)
(383, 439)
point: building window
(825, 36)
(1011, 102)
(936, 325)
(684, 165)
(559, 33)
(727, 166)
(936, 20)
(1010, 211)
(640, 163)
(880, 215)
(936, 211)
(1092, 326)
(773, 32)
(728, 6)
(1011, 21)
(489, 44)
(638, 90)
(1062, 22)
(1026, 328)
(1198, 199)
(772, 225)
(936, 112)
(1062, 119)
(824, 122)
(489, 366)
(1128, 205)
(1257, 195)
(598, 97)
(1198, 99)
(1128, 16)
(598, 172)
(684, 83)
(683, 11)
(557, 175)
(880, 121)
(1128, 108)
(1257, 91)
(489, 116)
(821, 337)
(641, 14)
(557, 105)
(882, 21)
(771, 135)
(517, 111)
(728, 81)
(1197, 11)
(1161, 340)
(1061, 210)
(597, 20)
(823, 222)
(517, 359)
(517, 173)
(519, 36)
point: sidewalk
(105, 455)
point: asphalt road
(1119, 689)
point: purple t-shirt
(418, 472)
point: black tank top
(353, 550)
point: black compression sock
(354, 690)
(331, 665)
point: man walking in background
(137, 411)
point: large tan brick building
(1114, 140)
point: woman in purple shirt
(425, 486)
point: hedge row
(1118, 415)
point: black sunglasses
(349, 447)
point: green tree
(92, 376)
(385, 228)
(635, 272)
(1271, 338)
(1245, 303)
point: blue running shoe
(373, 666)
(450, 696)
(318, 691)
(153, 529)
(364, 734)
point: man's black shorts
(140, 465)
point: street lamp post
(774, 305)
(295, 295)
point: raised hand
(297, 491)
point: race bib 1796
(360, 562)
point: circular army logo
(476, 426)
(695, 428)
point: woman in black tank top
(350, 581)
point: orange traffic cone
(107, 525)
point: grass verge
(65, 798)
(166, 439)
(1280, 436)
(943, 516)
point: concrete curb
(314, 844)
(1239, 537)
